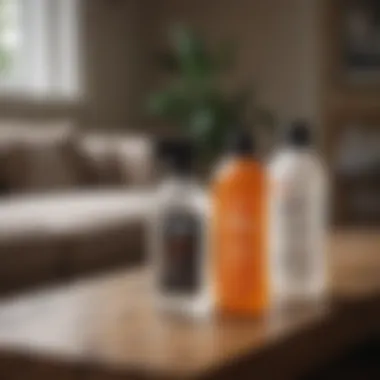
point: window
(39, 48)
(9, 39)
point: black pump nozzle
(177, 154)
(299, 134)
(242, 142)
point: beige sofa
(71, 202)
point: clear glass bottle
(179, 237)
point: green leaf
(168, 104)
(194, 60)
(201, 122)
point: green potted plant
(195, 97)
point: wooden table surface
(107, 328)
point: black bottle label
(181, 253)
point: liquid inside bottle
(298, 219)
(178, 244)
(239, 204)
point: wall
(278, 42)
(115, 61)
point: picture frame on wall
(356, 171)
(360, 41)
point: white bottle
(298, 222)
(179, 238)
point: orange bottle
(239, 228)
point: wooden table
(107, 328)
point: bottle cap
(242, 142)
(299, 134)
(177, 154)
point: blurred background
(93, 65)
(88, 86)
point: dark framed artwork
(356, 172)
(359, 26)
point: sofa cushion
(118, 159)
(53, 156)
(39, 157)
(137, 154)
(28, 261)
(17, 171)
(50, 166)
(56, 237)
(102, 166)
(70, 213)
